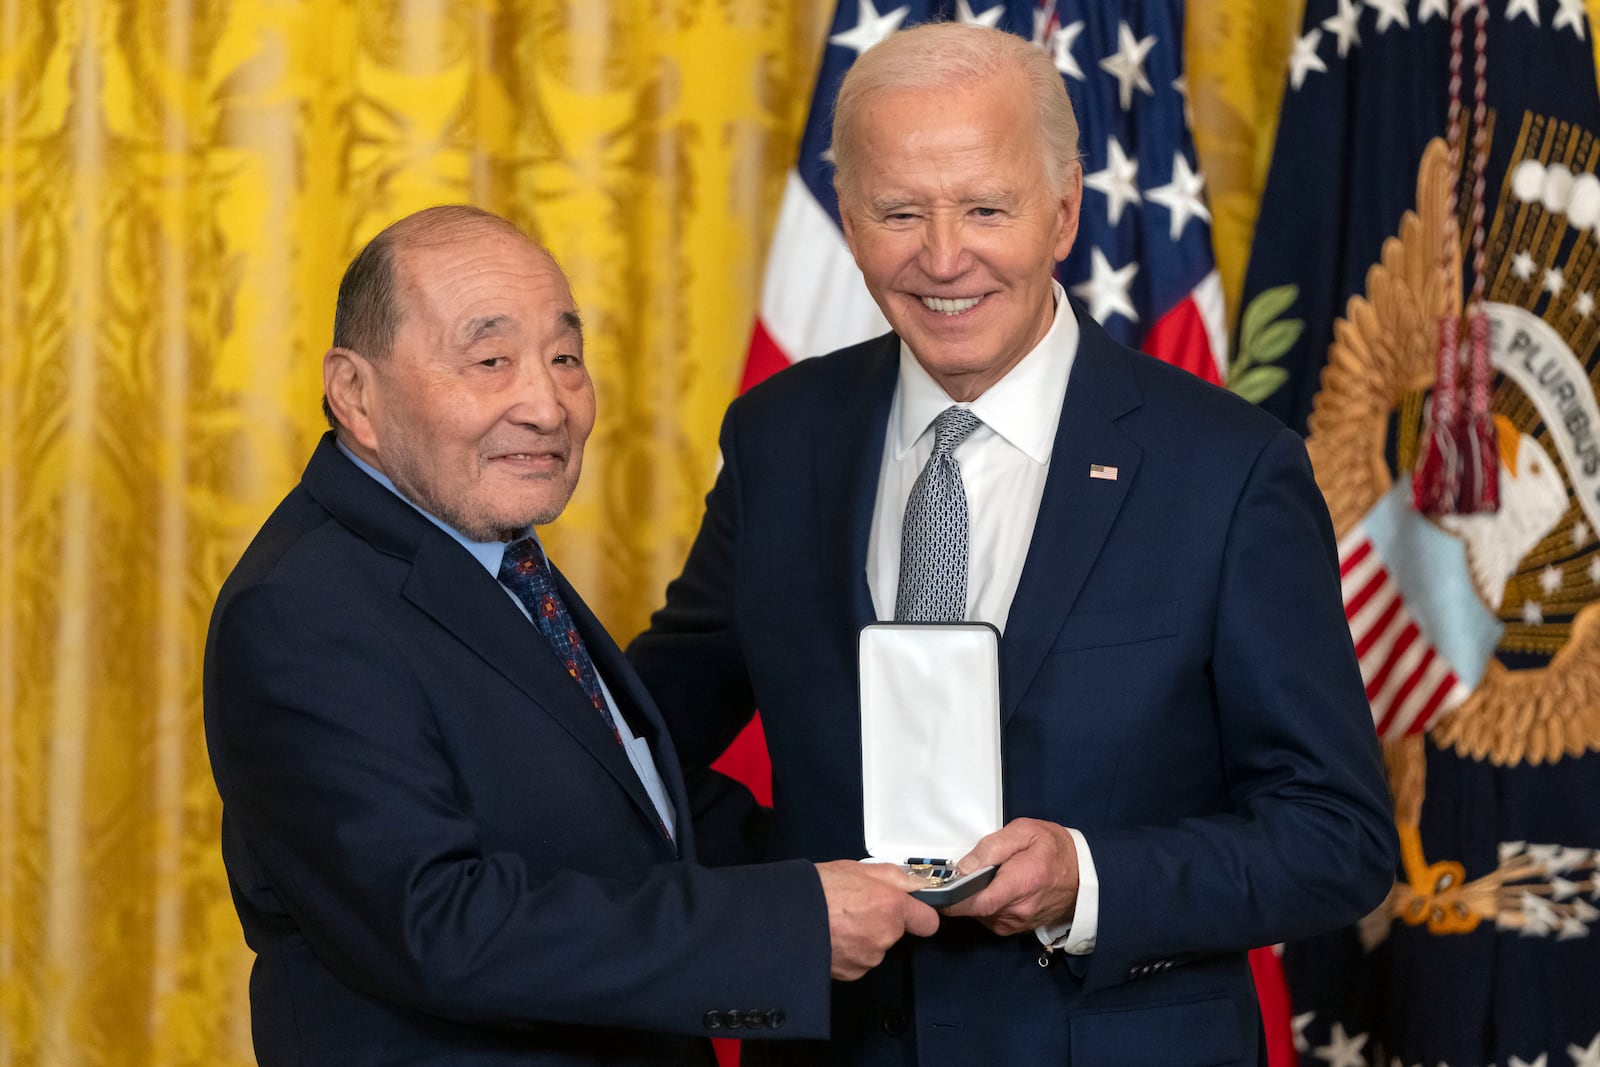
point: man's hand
(869, 909)
(1037, 881)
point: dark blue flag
(1477, 627)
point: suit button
(713, 1020)
(732, 1019)
(755, 1018)
(894, 1022)
(776, 1018)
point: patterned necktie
(525, 572)
(933, 540)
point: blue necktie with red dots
(524, 570)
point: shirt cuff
(1076, 935)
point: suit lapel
(1076, 512)
(848, 457)
(453, 589)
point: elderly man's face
(955, 227)
(481, 411)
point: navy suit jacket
(437, 849)
(1177, 681)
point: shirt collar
(1010, 407)
(487, 553)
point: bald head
(369, 310)
(952, 55)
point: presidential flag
(1424, 302)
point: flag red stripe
(1431, 708)
(1404, 694)
(765, 358)
(1353, 560)
(1179, 337)
(1272, 990)
(1353, 606)
(1408, 635)
(1376, 631)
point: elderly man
(454, 825)
(1189, 765)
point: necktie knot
(953, 426)
(521, 560)
(525, 571)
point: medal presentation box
(930, 749)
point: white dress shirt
(1003, 467)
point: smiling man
(453, 824)
(1189, 765)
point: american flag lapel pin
(1101, 471)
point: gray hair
(941, 55)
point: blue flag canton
(1144, 237)
(1144, 234)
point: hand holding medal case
(930, 749)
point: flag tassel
(1436, 482)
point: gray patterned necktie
(933, 540)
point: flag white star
(1580, 534)
(1429, 8)
(1127, 65)
(1532, 613)
(1584, 305)
(1180, 196)
(1594, 570)
(1389, 12)
(1299, 1024)
(988, 18)
(1041, 22)
(1527, 8)
(1522, 266)
(1303, 60)
(1107, 289)
(1553, 281)
(1569, 15)
(1550, 580)
(1116, 181)
(1061, 43)
(1342, 1049)
(870, 27)
(1586, 1057)
(1181, 84)
(1518, 1061)
(1342, 25)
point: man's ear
(348, 384)
(1067, 206)
(847, 222)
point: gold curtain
(181, 183)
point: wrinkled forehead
(484, 283)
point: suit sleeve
(1308, 841)
(346, 820)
